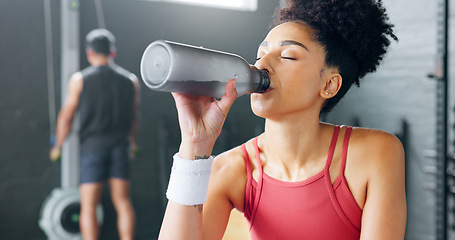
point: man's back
(106, 106)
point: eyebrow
(287, 43)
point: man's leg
(90, 197)
(120, 194)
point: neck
(100, 61)
(295, 143)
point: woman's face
(295, 63)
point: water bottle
(176, 67)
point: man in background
(107, 98)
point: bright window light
(245, 5)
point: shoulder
(76, 82)
(229, 175)
(128, 75)
(377, 151)
(231, 161)
(120, 70)
(365, 140)
(77, 76)
(74, 90)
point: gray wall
(27, 176)
(400, 91)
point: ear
(113, 54)
(332, 86)
(89, 54)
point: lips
(267, 90)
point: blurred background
(407, 96)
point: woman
(301, 178)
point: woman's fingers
(229, 97)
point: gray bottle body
(176, 67)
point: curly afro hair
(354, 33)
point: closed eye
(283, 57)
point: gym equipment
(60, 214)
(59, 217)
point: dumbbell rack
(442, 153)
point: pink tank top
(310, 209)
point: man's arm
(136, 103)
(66, 115)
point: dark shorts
(101, 164)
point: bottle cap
(155, 64)
(264, 82)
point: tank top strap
(344, 157)
(333, 144)
(258, 157)
(330, 187)
(259, 182)
(247, 162)
(248, 202)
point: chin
(261, 105)
(259, 110)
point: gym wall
(401, 99)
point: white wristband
(188, 184)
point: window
(243, 5)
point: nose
(264, 64)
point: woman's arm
(201, 120)
(384, 213)
(226, 191)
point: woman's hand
(201, 120)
